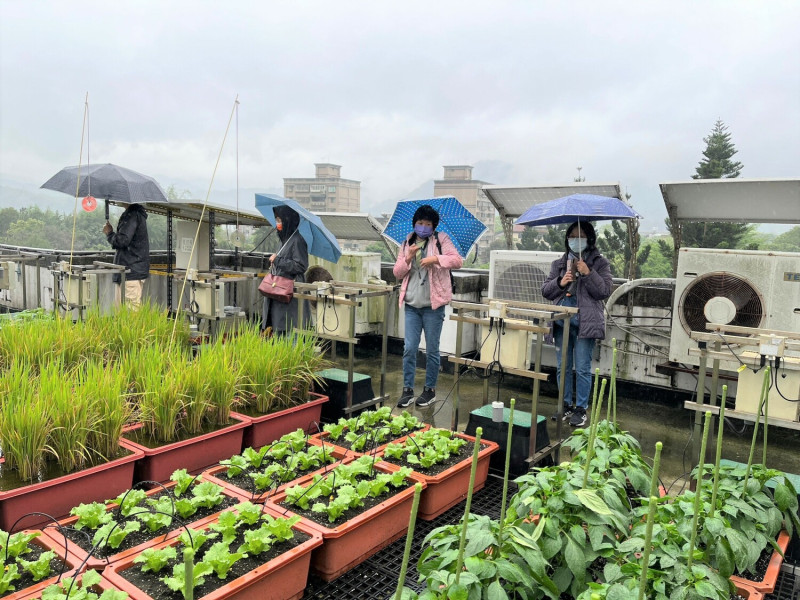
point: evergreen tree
(552, 240)
(614, 244)
(716, 164)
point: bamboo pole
(409, 540)
(699, 489)
(462, 542)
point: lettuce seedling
(198, 538)
(281, 527)
(236, 465)
(254, 457)
(177, 583)
(226, 525)
(90, 516)
(129, 500)
(207, 494)
(182, 481)
(185, 507)
(257, 541)
(274, 473)
(221, 558)
(7, 577)
(113, 534)
(156, 559)
(160, 518)
(16, 544)
(249, 513)
(81, 590)
(39, 568)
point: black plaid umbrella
(108, 182)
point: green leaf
(457, 592)
(593, 502)
(573, 553)
(496, 592)
(739, 547)
(706, 590)
(725, 560)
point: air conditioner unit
(737, 287)
(518, 275)
(8, 279)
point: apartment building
(458, 182)
(327, 192)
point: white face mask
(577, 245)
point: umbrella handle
(107, 213)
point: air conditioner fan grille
(520, 282)
(747, 300)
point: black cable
(775, 379)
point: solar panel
(512, 202)
(352, 226)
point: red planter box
(767, 586)
(354, 541)
(57, 496)
(282, 578)
(749, 593)
(260, 498)
(79, 555)
(265, 429)
(98, 589)
(449, 487)
(194, 454)
(45, 543)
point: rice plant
(107, 392)
(70, 412)
(25, 425)
(162, 396)
(223, 376)
(260, 367)
(197, 405)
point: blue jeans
(579, 355)
(418, 320)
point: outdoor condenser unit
(185, 232)
(513, 349)
(518, 275)
(737, 287)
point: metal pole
(385, 342)
(459, 326)
(561, 381)
(701, 399)
(169, 261)
(535, 398)
(351, 357)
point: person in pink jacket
(424, 264)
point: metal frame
(538, 314)
(80, 272)
(350, 294)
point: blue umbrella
(320, 241)
(457, 222)
(577, 207)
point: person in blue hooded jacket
(581, 278)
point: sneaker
(567, 414)
(579, 418)
(407, 398)
(427, 397)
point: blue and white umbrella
(463, 228)
(577, 207)
(320, 241)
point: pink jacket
(439, 275)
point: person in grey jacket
(582, 278)
(133, 251)
(291, 261)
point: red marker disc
(89, 203)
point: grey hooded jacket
(591, 291)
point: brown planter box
(265, 429)
(55, 497)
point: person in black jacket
(290, 261)
(133, 251)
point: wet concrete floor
(649, 421)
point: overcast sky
(394, 90)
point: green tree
(552, 240)
(717, 163)
(614, 243)
(785, 242)
(656, 265)
(381, 247)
